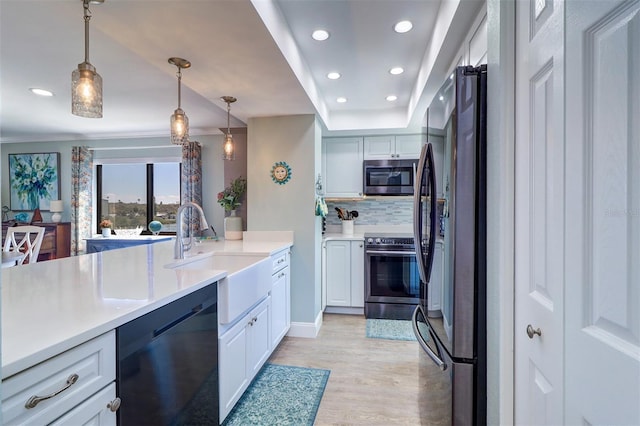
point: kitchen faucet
(180, 246)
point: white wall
(212, 165)
(295, 140)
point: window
(133, 194)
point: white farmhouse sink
(248, 280)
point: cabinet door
(259, 337)
(357, 274)
(338, 273)
(379, 147)
(342, 166)
(232, 371)
(279, 306)
(409, 146)
(94, 411)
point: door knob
(531, 332)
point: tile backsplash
(379, 211)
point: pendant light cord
(228, 115)
(87, 18)
(179, 74)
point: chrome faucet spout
(180, 247)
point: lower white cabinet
(243, 349)
(63, 385)
(280, 298)
(343, 276)
(100, 409)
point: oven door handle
(435, 357)
(409, 253)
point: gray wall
(289, 207)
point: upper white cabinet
(393, 147)
(342, 166)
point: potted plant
(230, 199)
(105, 226)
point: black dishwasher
(167, 369)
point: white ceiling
(259, 51)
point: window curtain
(191, 181)
(81, 197)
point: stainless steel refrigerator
(456, 340)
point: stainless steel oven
(392, 280)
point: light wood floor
(372, 381)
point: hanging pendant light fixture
(179, 120)
(229, 150)
(86, 83)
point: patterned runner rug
(390, 329)
(280, 395)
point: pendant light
(179, 120)
(86, 83)
(229, 150)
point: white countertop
(49, 307)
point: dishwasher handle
(194, 311)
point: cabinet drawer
(280, 260)
(94, 362)
(94, 411)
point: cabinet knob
(531, 332)
(114, 405)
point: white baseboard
(306, 329)
(344, 310)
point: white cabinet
(342, 166)
(100, 409)
(243, 349)
(393, 147)
(434, 295)
(280, 298)
(62, 384)
(343, 276)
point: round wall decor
(281, 172)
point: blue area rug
(280, 395)
(390, 329)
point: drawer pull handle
(35, 400)
(281, 274)
(280, 261)
(114, 405)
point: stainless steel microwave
(389, 177)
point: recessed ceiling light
(403, 27)
(40, 92)
(333, 75)
(396, 70)
(441, 98)
(341, 100)
(320, 35)
(392, 98)
(451, 76)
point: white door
(602, 294)
(539, 186)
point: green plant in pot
(230, 199)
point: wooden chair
(26, 239)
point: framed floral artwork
(34, 180)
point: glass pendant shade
(179, 120)
(179, 127)
(228, 148)
(86, 91)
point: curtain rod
(113, 148)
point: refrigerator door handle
(434, 357)
(417, 215)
